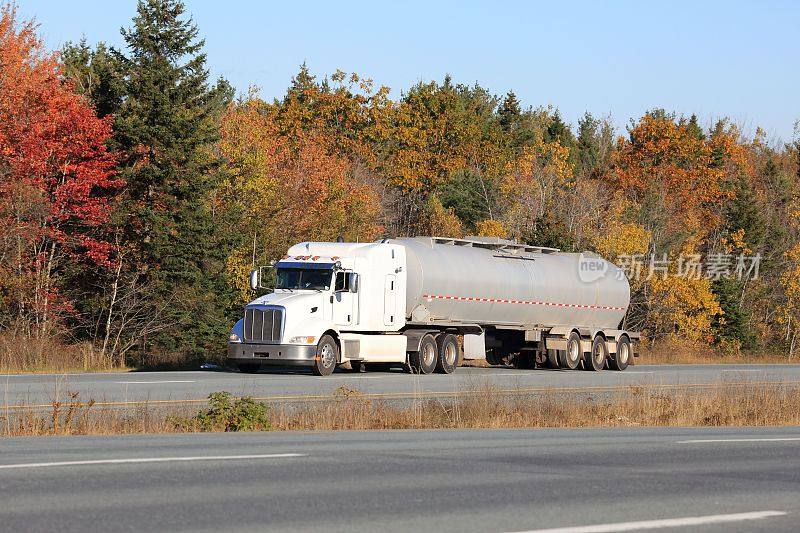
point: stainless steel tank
(497, 282)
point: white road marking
(657, 524)
(138, 460)
(154, 382)
(749, 439)
(746, 370)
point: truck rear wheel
(621, 359)
(424, 361)
(596, 359)
(327, 355)
(571, 357)
(448, 353)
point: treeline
(136, 193)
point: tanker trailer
(533, 304)
(411, 301)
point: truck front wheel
(327, 355)
(448, 353)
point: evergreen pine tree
(588, 144)
(166, 126)
(97, 74)
(509, 111)
(302, 82)
(558, 130)
(694, 128)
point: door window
(342, 282)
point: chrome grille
(262, 325)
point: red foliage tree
(56, 178)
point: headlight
(233, 337)
(302, 340)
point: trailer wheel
(621, 359)
(596, 359)
(249, 368)
(327, 355)
(424, 361)
(447, 353)
(553, 358)
(571, 357)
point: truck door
(389, 301)
(344, 301)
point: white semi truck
(411, 301)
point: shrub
(226, 413)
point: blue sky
(617, 59)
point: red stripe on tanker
(430, 297)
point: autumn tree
(668, 173)
(57, 183)
(665, 168)
(284, 189)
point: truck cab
(325, 306)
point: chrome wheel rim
(428, 355)
(326, 355)
(599, 353)
(573, 351)
(622, 353)
(450, 354)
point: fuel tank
(491, 281)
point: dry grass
(723, 404)
(678, 353)
(20, 354)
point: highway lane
(480, 480)
(30, 389)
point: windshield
(303, 278)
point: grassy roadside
(29, 355)
(675, 353)
(681, 358)
(722, 404)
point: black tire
(571, 357)
(553, 358)
(620, 360)
(524, 360)
(448, 355)
(424, 361)
(596, 359)
(357, 367)
(249, 368)
(327, 356)
(490, 357)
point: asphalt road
(41, 389)
(479, 480)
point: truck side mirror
(255, 278)
(353, 282)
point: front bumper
(271, 354)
